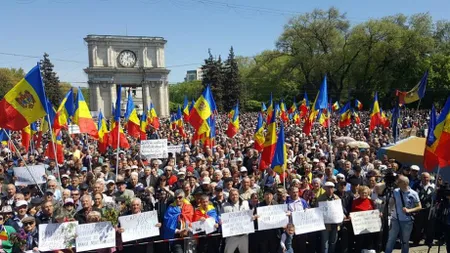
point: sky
(32, 27)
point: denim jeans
(403, 228)
(329, 239)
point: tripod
(441, 215)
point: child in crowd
(286, 238)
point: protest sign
(237, 223)
(25, 177)
(270, 217)
(308, 221)
(98, 235)
(154, 148)
(206, 226)
(366, 222)
(138, 226)
(332, 211)
(174, 149)
(57, 236)
(74, 129)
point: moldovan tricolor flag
(279, 160)
(26, 137)
(117, 134)
(103, 134)
(270, 110)
(375, 115)
(186, 109)
(203, 108)
(144, 124)
(153, 119)
(442, 133)
(233, 125)
(24, 103)
(270, 142)
(131, 118)
(284, 116)
(304, 106)
(345, 116)
(415, 93)
(82, 116)
(64, 112)
(430, 160)
(50, 151)
(335, 106)
(358, 105)
(259, 134)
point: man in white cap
(414, 178)
(329, 236)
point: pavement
(424, 249)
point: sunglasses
(28, 224)
(179, 197)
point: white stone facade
(147, 75)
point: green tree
(213, 75)
(51, 81)
(8, 78)
(231, 83)
(177, 91)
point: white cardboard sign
(99, 235)
(138, 226)
(25, 178)
(154, 148)
(57, 236)
(270, 217)
(333, 213)
(366, 222)
(237, 223)
(308, 221)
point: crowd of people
(202, 182)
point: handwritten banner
(98, 235)
(25, 176)
(206, 226)
(366, 222)
(174, 149)
(154, 148)
(272, 217)
(138, 226)
(57, 236)
(308, 221)
(332, 211)
(237, 223)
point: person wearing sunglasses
(176, 221)
(29, 226)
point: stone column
(113, 95)
(93, 96)
(146, 97)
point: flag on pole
(279, 160)
(179, 123)
(144, 124)
(415, 93)
(284, 115)
(153, 119)
(293, 107)
(263, 107)
(117, 131)
(233, 125)
(82, 116)
(345, 116)
(64, 112)
(103, 134)
(430, 160)
(270, 142)
(24, 103)
(358, 105)
(356, 117)
(132, 122)
(442, 134)
(335, 106)
(259, 134)
(270, 110)
(304, 106)
(26, 137)
(203, 108)
(375, 115)
(55, 143)
(186, 109)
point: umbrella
(358, 144)
(344, 139)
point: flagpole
(54, 147)
(87, 147)
(25, 163)
(118, 147)
(329, 130)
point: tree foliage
(177, 92)
(213, 76)
(231, 82)
(377, 55)
(51, 81)
(8, 78)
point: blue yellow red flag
(131, 118)
(64, 112)
(233, 125)
(375, 115)
(442, 134)
(358, 105)
(82, 116)
(279, 160)
(259, 134)
(24, 103)
(322, 97)
(269, 143)
(416, 93)
(430, 160)
(186, 109)
(345, 115)
(203, 108)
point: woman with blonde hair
(364, 203)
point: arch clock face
(127, 59)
